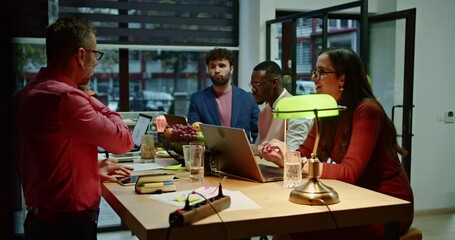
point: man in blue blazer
(223, 103)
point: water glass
(147, 149)
(292, 175)
(196, 160)
(186, 156)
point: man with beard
(223, 103)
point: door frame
(408, 78)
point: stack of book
(155, 183)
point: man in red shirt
(58, 129)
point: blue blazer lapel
(212, 107)
(236, 105)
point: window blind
(159, 22)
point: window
(166, 43)
(309, 42)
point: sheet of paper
(159, 164)
(173, 167)
(167, 162)
(239, 201)
(144, 166)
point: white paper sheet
(144, 166)
(239, 201)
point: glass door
(391, 68)
(294, 40)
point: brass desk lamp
(313, 192)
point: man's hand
(273, 151)
(109, 167)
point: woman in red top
(361, 141)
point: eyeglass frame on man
(257, 85)
(98, 54)
(318, 74)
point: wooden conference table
(148, 218)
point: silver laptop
(233, 156)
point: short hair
(66, 35)
(219, 54)
(271, 68)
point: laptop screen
(234, 154)
(175, 119)
(140, 128)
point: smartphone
(126, 181)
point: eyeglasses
(98, 54)
(257, 85)
(317, 74)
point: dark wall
(30, 17)
(7, 162)
(26, 18)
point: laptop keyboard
(270, 172)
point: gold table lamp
(312, 192)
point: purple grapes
(182, 133)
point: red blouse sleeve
(366, 128)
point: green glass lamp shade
(304, 106)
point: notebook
(174, 119)
(140, 128)
(234, 156)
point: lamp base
(314, 192)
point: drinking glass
(292, 175)
(147, 149)
(196, 160)
(186, 156)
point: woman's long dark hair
(356, 89)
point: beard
(86, 80)
(258, 100)
(88, 75)
(220, 80)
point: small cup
(186, 156)
(147, 149)
(292, 174)
(196, 160)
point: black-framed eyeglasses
(257, 85)
(317, 74)
(98, 54)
